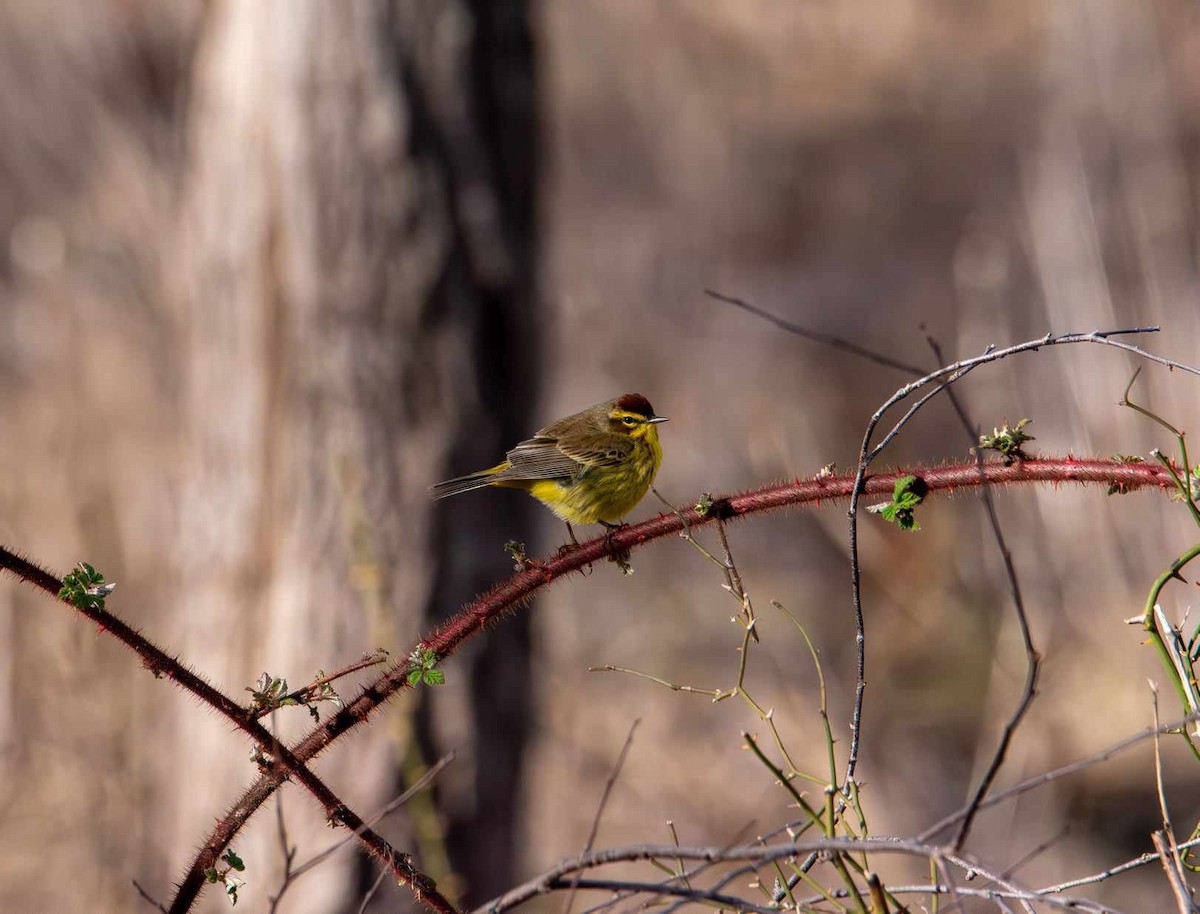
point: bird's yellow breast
(604, 493)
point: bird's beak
(658, 419)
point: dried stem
(560, 876)
(1032, 666)
(608, 786)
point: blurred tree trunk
(356, 274)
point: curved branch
(510, 595)
(284, 764)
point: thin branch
(1104, 875)
(1164, 840)
(872, 356)
(1029, 856)
(715, 694)
(288, 850)
(936, 890)
(1168, 853)
(148, 898)
(392, 805)
(1058, 773)
(1032, 658)
(362, 907)
(557, 878)
(825, 339)
(680, 891)
(307, 693)
(952, 373)
(608, 786)
(1170, 364)
(733, 581)
(943, 377)
(1032, 666)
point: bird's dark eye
(629, 420)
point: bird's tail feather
(469, 482)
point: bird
(591, 467)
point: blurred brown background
(269, 270)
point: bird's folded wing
(549, 458)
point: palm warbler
(591, 467)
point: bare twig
(1164, 840)
(1058, 773)
(1032, 666)
(1032, 658)
(1029, 856)
(558, 877)
(287, 849)
(148, 898)
(714, 694)
(362, 906)
(1168, 854)
(392, 805)
(733, 580)
(1107, 874)
(680, 891)
(943, 377)
(825, 339)
(608, 786)
(308, 692)
(997, 896)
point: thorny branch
(281, 763)
(509, 595)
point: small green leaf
(233, 860)
(907, 493)
(1006, 441)
(424, 661)
(211, 874)
(84, 587)
(705, 504)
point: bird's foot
(574, 544)
(617, 554)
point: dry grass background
(983, 172)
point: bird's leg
(565, 547)
(616, 554)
